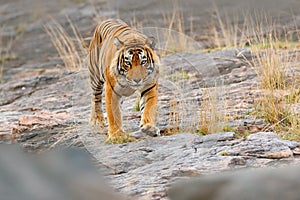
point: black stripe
(95, 80)
(103, 78)
(114, 89)
(118, 65)
(96, 93)
(122, 86)
(147, 90)
(142, 108)
(96, 83)
(105, 28)
(122, 31)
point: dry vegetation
(279, 84)
(124, 139)
(173, 118)
(6, 53)
(226, 31)
(275, 56)
(175, 43)
(70, 48)
(1, 61)
(212, 117)
(172, 37)
(275, 61)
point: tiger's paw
(116, 135)
(97, 121)
(119, 137)
(150, 130)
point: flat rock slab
(267, 184)
(147, 168)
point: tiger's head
(136, 61)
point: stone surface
(23, 98)
(147, 168)
(43, 107)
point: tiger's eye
(127, 63)
(143, 62)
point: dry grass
(270, 65)
(122, 140)
(135, 23)
(172, 37)
(226, 30)
(275, 62)
(6, 53)
(175, 22)
(1, 61)
(173, 118)
(212, 117)
(275, 59)
(175, 38)
(70, 48)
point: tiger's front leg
(112, 101)
(148, 107)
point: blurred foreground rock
(63, 175)
(266, 184)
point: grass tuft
(122, 140)
(5, 54)
(226, 30)
(173, 119)
(1, 61)
(70, 49)
(137, 104)
(275, 59)
(212, 119)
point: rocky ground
(45, 107)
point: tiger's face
(136, 65)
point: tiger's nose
(137, 80)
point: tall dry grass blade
(69, 49)
(1, 59)
(212, 111)
(226, 30)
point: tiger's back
(104, 47)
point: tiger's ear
(151, 42)
(118, 43)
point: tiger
(123, 61)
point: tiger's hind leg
(97, 118)
(148, 107)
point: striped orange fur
(122, 60)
